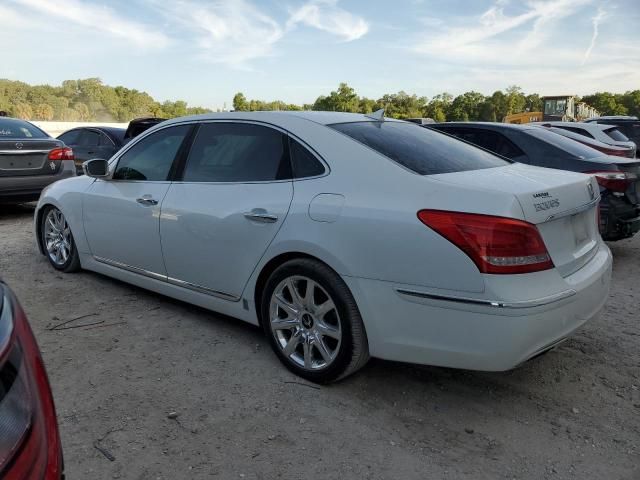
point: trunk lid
(25, 157)
(562, 204)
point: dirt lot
(573, 413)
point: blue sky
(204, 51)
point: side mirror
(96, 168)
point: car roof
(113, 132)
(564, 124)
(513, 126)
(323, 118)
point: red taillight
(29, 440)
(63, 153)
(615, 180)
(496, 244)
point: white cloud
(494, 22)
(232, 32)
(537, 44)
(98, 18)
(596, 23)
(325, 15)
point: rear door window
(420, 149)
(88, 138)
(105, 141)
(237, 152)
(579, 131)
(70, 138)
(616, 134)
(567, 145)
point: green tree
(631, 101)
(606, 103)
(23, 110)
(533, 103)
(344, 99)
(43, 111)
(240, 103)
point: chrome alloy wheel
(305, 323)
(57, 237)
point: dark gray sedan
(30, 160)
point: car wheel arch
(270, 266)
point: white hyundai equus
(343, 236)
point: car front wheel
(312, 321)
(57, 240)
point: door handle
(260, 215)
(146, 201)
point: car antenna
(377, 115)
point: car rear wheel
(312, 321)
(57, 241)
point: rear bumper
(28, 188)
(478, 335)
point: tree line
(445, 107)
(90, 100)
(85, 100)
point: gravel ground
(172, 391)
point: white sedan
(343, 236)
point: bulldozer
(563, 108)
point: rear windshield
(422, 150)
(565, 144)
(616, 134)
(13, 128)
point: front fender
(66, 196)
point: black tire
(352, 353)
(72, 264)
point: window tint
(420, 149)
(70, 138)
(616, 134)
(105, 141)
(305, 164)
(13, 128)
(237, 152)
(151, 158)
(492, 141)
(579, 131)
(565, 144)
(88, 138)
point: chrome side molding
(201, 289)
(174, 281)
(129, 268)
(537, 302)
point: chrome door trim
(536, 302)
(164, 278)
(573, 211)
(201, 289)
(130, 268)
